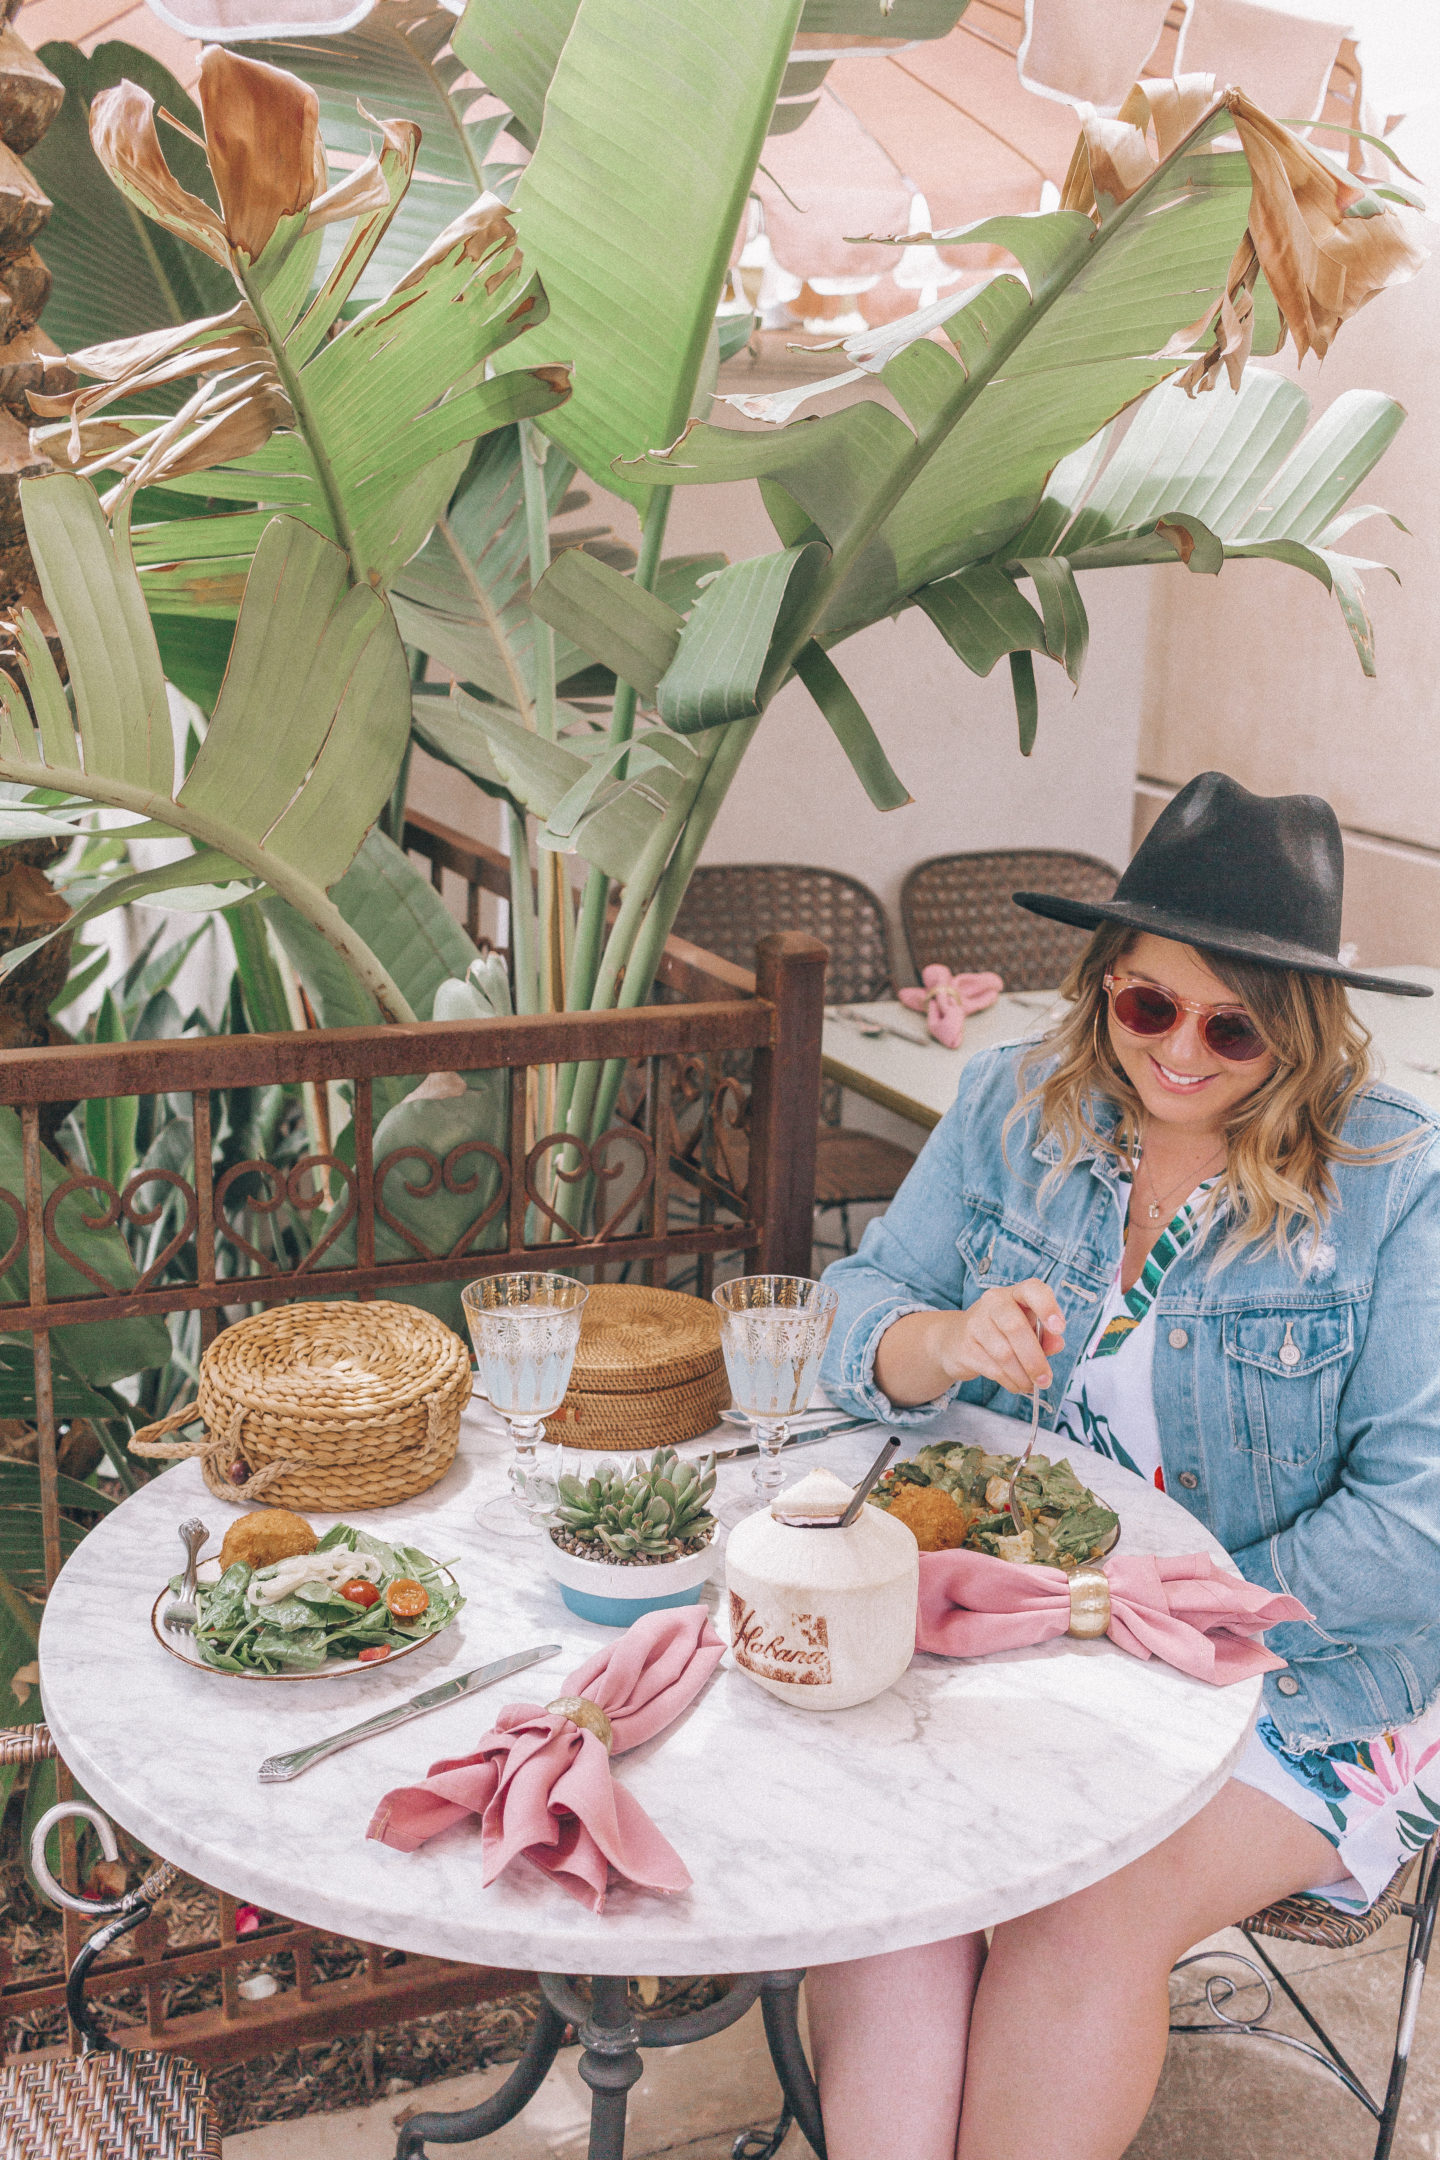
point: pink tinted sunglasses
(1145, 1009)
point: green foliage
(397, 63)
(309, 645)
(96, 1353)
(600, 215)
(978, 491)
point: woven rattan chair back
(144, 2106)
(957, 910)
(729, 905)
(109, 2103)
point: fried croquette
(267, 1535)
(937, 1519)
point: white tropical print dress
(1377, 1801)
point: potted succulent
(626, 1542)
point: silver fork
(181, 1614)
(1017, 1519)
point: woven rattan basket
(337, 1406)
(649, 1371)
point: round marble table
(1011, 1780)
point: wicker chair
(726, 908)
(957, 910)
(1303, 1919)
(107, 2104)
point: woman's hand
(996, 1338)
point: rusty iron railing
(261, 1233)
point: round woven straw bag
(336, 1406)
(649, 1371)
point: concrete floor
(1226, 2099)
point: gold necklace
(1154, 1206)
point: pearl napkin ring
(592, 1719)
(1089, 1604)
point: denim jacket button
(1289, 1354)
(1189, 1480)
(1178, 1338)
(1287, 1686)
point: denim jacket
(1298, 1401)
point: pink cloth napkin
(1175, 1606)
(946, 1000)
(541, 1786)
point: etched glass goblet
(773, 1329)
(525, 1329)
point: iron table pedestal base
(611, 2037)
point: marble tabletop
(883, 1051)
(971, 1791)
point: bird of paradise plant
(350, 435)
(1171, 256)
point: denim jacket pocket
(1284, 1374)
(996, 1254)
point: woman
(1192, 1219)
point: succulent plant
(651, 1514)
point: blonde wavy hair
(1282, 1139)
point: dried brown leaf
(479, 232)
(122, 131)
(237, 428)
(367, 188)
(262, 137)
(98, 439)
(133, 355)
(1321, 265)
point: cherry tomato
(406, 1598)
(374, 1652)
(359, 1591)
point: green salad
(353, 1597)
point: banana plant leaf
(399, 61)
(20, 1487)
(19, 1671)
(570, 787)
(514, 52)
(306, 735)
(600, 215)
(464, 598)
(97, 1353)
(115, 273)
(461, 1122)
(396, 913)
(72, 1398)
(1114, 294)
(903, 19)
(360, 427)
(1203, 481)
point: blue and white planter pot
(614, 1596)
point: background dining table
(971, 1791)
(883, 1051)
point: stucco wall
(1254, 672)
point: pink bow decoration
(947, 999)
(541, 1785)
(1176, 1606)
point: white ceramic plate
(183, 1646)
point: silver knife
(804, 1439)
(279, 1769)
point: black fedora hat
(1259, 877)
